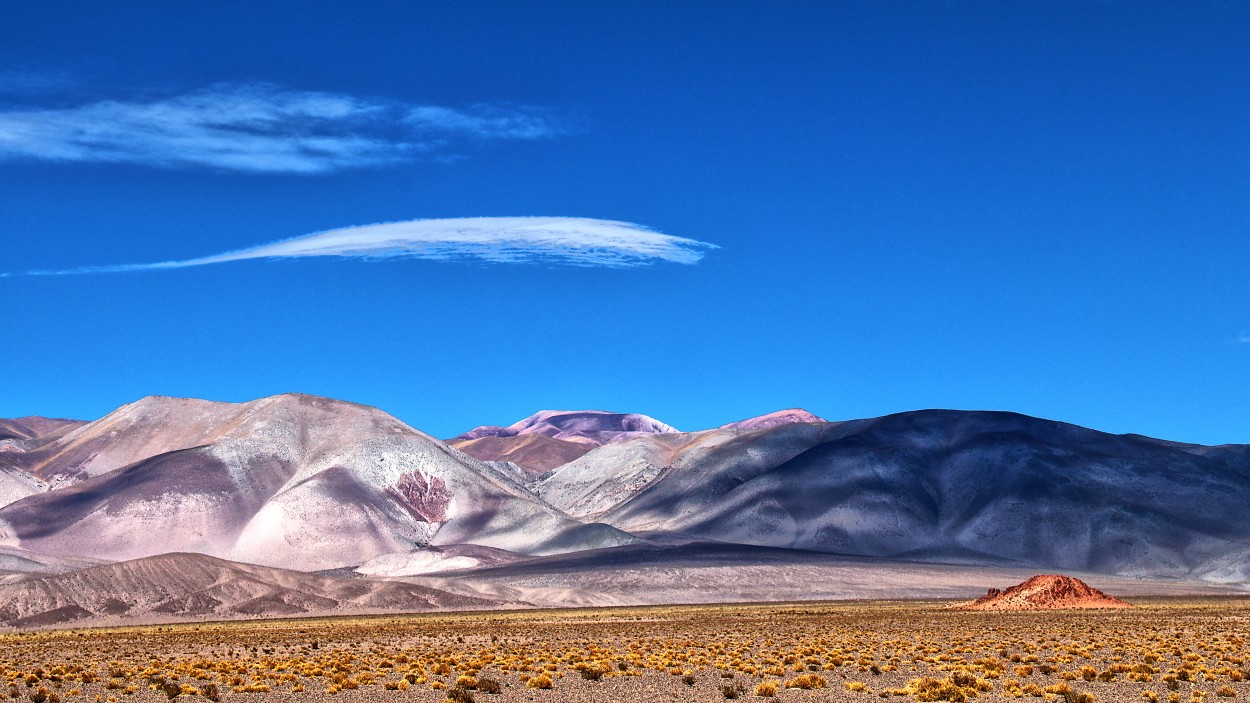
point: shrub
(931, 689)
(210, 692)
(1225, 692)
(540, 681)
(729, 692)
(768, 689)
(688, 679)
(457, 694)
(807, 682)
(489, 686)
(963, 679)
(590, 672)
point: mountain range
(298, 483)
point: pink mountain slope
(775, 419)
(294, 481)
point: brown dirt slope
(1045, 592)
(180, 586)
(535, 453)
(36, 427)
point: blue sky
(1039, 207)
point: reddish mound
(1046, 592)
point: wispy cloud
(570, 241)
(14, 82)
(1243, 338)
(260, 127)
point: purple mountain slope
(313, 483)
(932, 485)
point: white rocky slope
(16, 484)
(293, 481)
(585, 426)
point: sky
(465, 212)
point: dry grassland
(1182, 651)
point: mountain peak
(773, 419)
(587, 426)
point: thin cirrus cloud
(261, 128)
(569, 241)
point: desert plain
(1187, 650)
(304, 548)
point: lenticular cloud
(568, 241)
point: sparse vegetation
(1174, 650)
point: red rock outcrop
(1045, 592)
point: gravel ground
(650, 652)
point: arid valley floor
(1166, 649)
